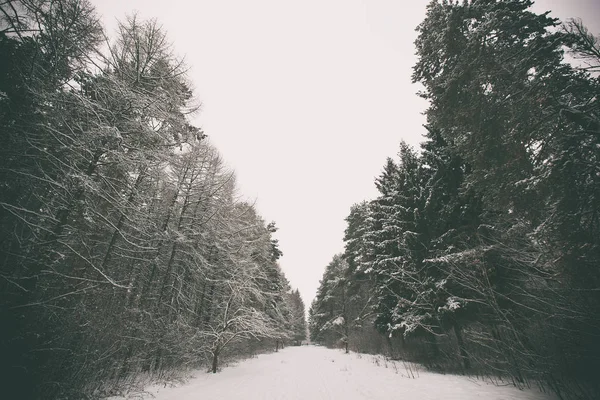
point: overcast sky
(305, 99)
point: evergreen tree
(298, 317)
(329, 321)
(523, 122)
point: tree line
(125, 249)
(480, 254)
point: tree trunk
(461, 347)
(215, 361)
(166, 279)
(121, 221)
(209, 305)
(435, 350)
(163, 229)
(200, 303)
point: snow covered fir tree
(481, 252)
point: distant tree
(339, 309)
(328, 323)
(298, 317)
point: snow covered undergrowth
(311, 372)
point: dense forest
(125, 250)
(480, 254)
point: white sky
(305, 99)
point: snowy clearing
(311, 372)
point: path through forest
(311, 372)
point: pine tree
(298, 317)
(524, 124)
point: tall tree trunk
(215, 361)
(153, 272)
(121, 221)
(200, 304)
(184, 207)
(461, 347)
(166, 279)
(435, 349)
(209, 300)
(63, 214)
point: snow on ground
(311, 373)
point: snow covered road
(312, 373)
